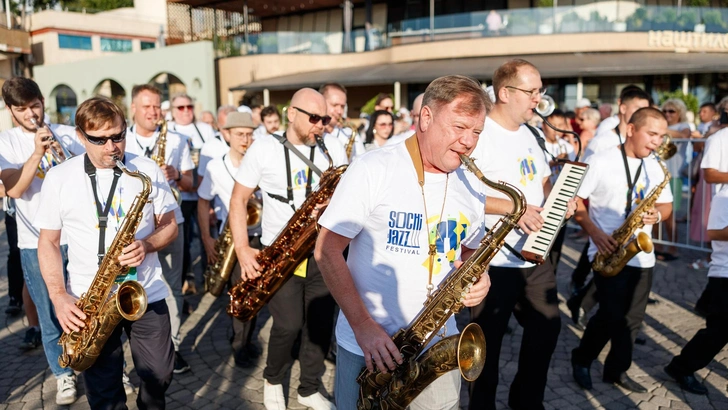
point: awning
(550, 66)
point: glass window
(115, 44)
(147, 45)
(74, 42)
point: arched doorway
(62, 105)
(169, 84)
(112, 89)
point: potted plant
(665, 20)
(687, 20)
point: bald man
(415, 114)
(303, 304)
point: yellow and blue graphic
(639, 193)
(46, 163)
(300, 178)
(527, 167)
(447, 235)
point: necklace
(432, 239)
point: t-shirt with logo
(606, 187)
(514, 157)
(74, 212)
(715, 154)
(176, 154)
(264, 166)
(379, 204)
(718, 220)
(198, 134)
(16, 147)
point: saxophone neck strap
(283, 139)
(630, 182)
(103, 214)
(287, 146)
(413, 148)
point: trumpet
(59, 155)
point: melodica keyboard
(567, 185)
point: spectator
(209, 118)
(494, 21)
(384, 102)
(588, 120)
(380, 129)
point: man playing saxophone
(628, 169)
(26, 154)
(78, 189)
(408, 214)
(335, 95)
(218, 181)
(143, 140)
(303, 304)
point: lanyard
(147, 150)
(630, 183)
(102, 214)
(289, 189)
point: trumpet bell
(546, 106)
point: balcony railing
(604, 17)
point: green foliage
(699, 3)
(687, 20)
(368, 108)
(713, 17)
(571, 17)
(93, 4)
(545, 3)
(638, 18)
(595, 17)
(690, 100)
(667, 16)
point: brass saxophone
(159, 157)
(350, 144)
(103, 314)
(291, 247)
(396, 389)
(609, 265)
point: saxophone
(609, 265)
(291, 247)
(103, 314)
(466, 351)
(350, 144)
(218, 273)
(159, 158)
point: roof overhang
(266, 8)
(550, 66)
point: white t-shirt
(715, 155)
(605, 185)
(676, 162)
(198, 135)
(16, 147)
(718, 220)
(259, 132)
(214, 148)
(74, 212)
(378, 204)
(396, 139)
(343, 135)
(176, 154)
(608, 123)
(602, 141)
(264, 166)
(516, 158)
(219, 182)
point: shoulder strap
(283, 140)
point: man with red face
(508, 151)
(303, 304)
(625, 294)
(391, 207)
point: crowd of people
(403, 217)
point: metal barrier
(691, 201)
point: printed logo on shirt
(116, 211)
(300, 178)
(447, 235)
(528, 169)
(639, 193)
(404, 230)
(46, 163)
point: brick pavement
(215, 383)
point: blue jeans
(442, 394)
(49, 327)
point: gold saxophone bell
(667, 149)
(255, 212)
(546, 106)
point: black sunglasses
(116, 138)
(315, 118)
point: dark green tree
(94, 4)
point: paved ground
(214, 382)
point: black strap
(102, 214)
(148, 150)
(284, 140)
(199, 133)
(289, 188)
(541, 142)
(630, 183)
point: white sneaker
(128, 387)
(66, 389)
(273, 398)
(316, 401)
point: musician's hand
(42, 141)
(212, 217)
(249, 266)
(571, 208)
(69, 315)
(318, 209)
(651, 216)
(478, 291)
(531, 221)
(209, 245)
(605, 243)
(133, 254)
(170, 172)
(377, 346)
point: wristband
(179, 176)
(659, 217)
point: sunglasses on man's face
(315, 118)
(116, 138)
(185, 107)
